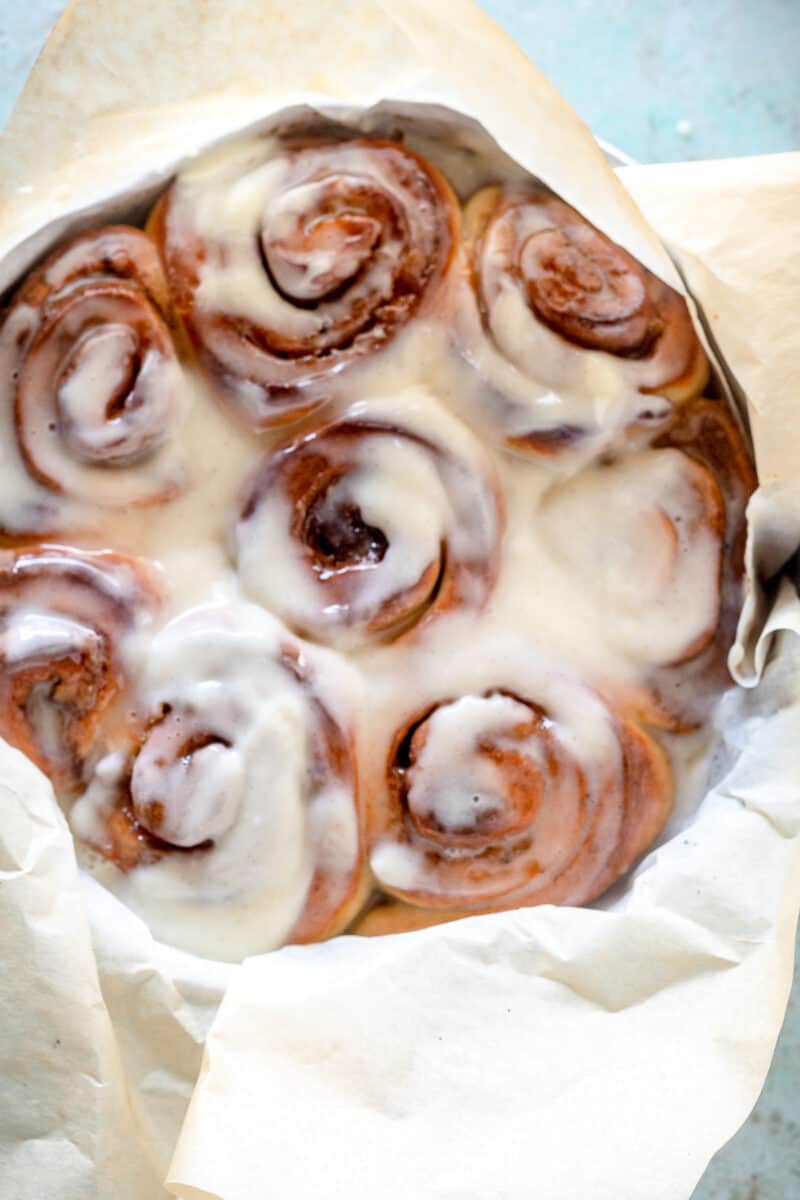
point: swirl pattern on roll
(92, 391)
(64, 615)
(567, 331)
(293, 259)
(234, 824)
(502, 799)
(364, 527)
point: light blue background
(664, 81)
(634, 69)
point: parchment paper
(547, 1053)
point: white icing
(46, 720)
(201, 793)
(397, 491)
(65, 428)
(398, 865)
(450, 771)
(163, 398)
(226, 203)
(420, 497)
(188, 535)
(538, 351)
(541, 382)
(652, 564)
(250, 789)
(556, 622)
(29, 635)
(268, 216)
(450, 779)
(101, 370)
(538, 380)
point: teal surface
(702, 79)
(670, 81)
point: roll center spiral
(187, 782)
(315, 257)
(577, 274)
(101, 404)
(475, 771)
(336, 531)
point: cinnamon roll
(666, 561)
(507, 798)
(233, 823)
(64, 615)
(575, 343)
(92, 395)
(363, 527)
(291, 259)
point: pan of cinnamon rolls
(371, 542)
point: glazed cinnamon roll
(707, 433)
(233, 824)
(92, 395)
(503, 799)
(64, 615)
(363, 527)
(665, 564)
(574, 342)
(291, 259)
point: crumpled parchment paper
(547, 1052)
